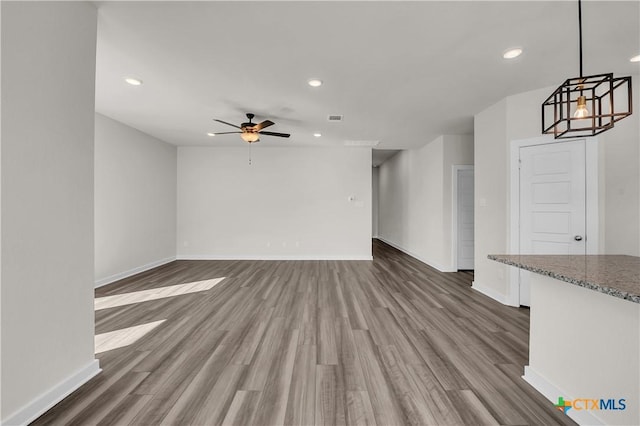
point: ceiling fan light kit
(250, 137)
(250, 132)
(586, 105)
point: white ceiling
(401, 73)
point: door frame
(591, 208)
(454, 212)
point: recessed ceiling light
(512, 53)
(211, 134)
(314, 82)
(635, 59)
(317, 135)
(133, 81)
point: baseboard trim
(121, 275)
(270, 257)
(435, 265)
(552, 392)
(44, 402)
(489, 292)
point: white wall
(458, 151)
(135, 201)
(47, 203)
(374, 201)
(290, 203)
(1, 416)
(518, 117)
(408, 181)
(415, 198)
(620, 149)
(491, 190)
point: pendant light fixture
(586, 105)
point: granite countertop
(615, 275)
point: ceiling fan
(250, 132)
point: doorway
(463, 218)
(554, 203)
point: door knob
(578, 238)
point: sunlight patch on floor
(124, 337)
(154, 293)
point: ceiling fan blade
(265, 123)
(228, 124)
(225, 133)
(281, 135)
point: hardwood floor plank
(414, 407)
(178, 365)
(385, 406)
(110, 400)
(327, 350)
(339, 298)
(161, 344)
(329, 407)
(302, 393)
(250, 342)
(474, 412)
(157, 293)
(219, 398)
(242, 409)
(359, 409)
(395, 336)
(262, 363)
(124, 337)
(349, 368)
(309, 323)
(441, 407)
(168, 383)
(125, 412)
(487, 386)
(272, 407)
(237, 315)
(356, 318)
(445, 372)
(194, 397)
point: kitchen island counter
(584, 334)
(615, 275)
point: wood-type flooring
(383, 342)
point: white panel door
(552, 202)
(465, 219)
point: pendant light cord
(580, 32)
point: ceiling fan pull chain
(249, 154)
